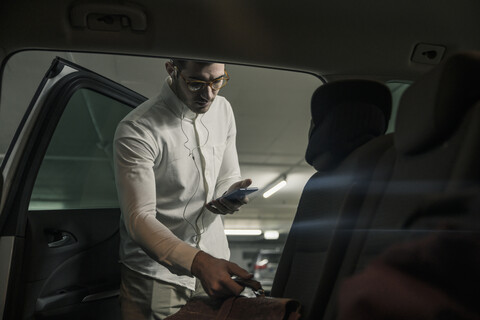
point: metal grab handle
(67, 238)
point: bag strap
(224, 311)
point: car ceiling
(347, 37)
(333, 39)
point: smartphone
(239, 193)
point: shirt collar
(173, 103)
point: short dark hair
(182, 63)
(179, 63)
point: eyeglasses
(198, 85)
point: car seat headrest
(433, 107)
(345, 115)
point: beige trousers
(145, 298)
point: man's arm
(135, 153)
(134, 161)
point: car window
(76, 172)
(272, 112)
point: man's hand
(224, 206)
(216, 275)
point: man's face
(200, 101)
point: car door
(59, 210)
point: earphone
(190, 151)
(175, 71)
(195, 227)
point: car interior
(368, 112)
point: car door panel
(74, 272)
(61, 206)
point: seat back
(436, 154)
(345, 116)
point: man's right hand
(216, 275)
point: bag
(239, 308)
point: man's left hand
(224, 206)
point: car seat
(436, 154)
(345, 115)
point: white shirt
(169, 162)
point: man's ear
(171, 69)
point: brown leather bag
(239, 308)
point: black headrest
(432, 108)
(345, 115)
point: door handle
(101, 295)
(60, 239)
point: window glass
(77, 171)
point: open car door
(59, 210)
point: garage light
(275, 188)
(271, 235)
(243, 232)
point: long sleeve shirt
(170, 161)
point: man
(174, 156)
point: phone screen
(239, 193)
